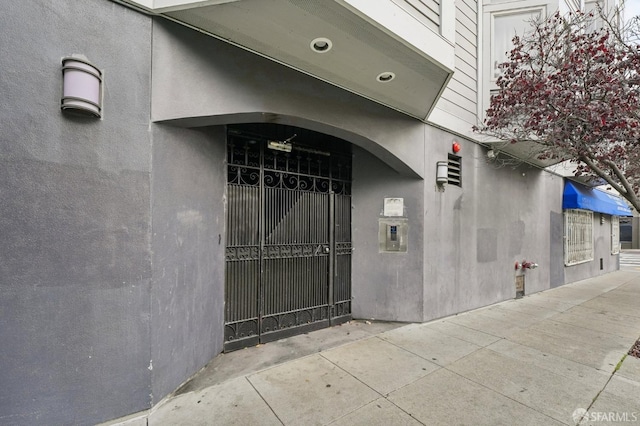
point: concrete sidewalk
(540, 360)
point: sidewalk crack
(595, 398)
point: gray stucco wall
(386, 286)
(188, 244)
(474, 234)
(556, 249)
(75, 264)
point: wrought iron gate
(288, 250)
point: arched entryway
(288, 248)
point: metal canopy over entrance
(288, 249)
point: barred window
(578, 236)
(615, 235)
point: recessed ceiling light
(385, 77)
(321, 45)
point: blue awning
(577, 196)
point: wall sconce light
(442, 172)
(81, 87)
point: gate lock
(322, 249)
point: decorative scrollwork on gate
(242, 253)
(341, 187)
(243, 176)
(283, 251)
(280, 180)
(342, 309)
(243, 153)
(294, 319)
(307, 183)
(343, 248)
(240, 330)
(322, 185)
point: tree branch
(598, 171)
(624, 189)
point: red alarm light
(456, 147)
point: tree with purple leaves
(572, 86)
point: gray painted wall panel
(386, 286)
(187, 297)
(64, 358)
(556, 249)
(475, 234)
(74, 217)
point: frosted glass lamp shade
(442, 172)
(82, 87)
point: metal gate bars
(288, 251)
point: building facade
(255, 169)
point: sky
(632, 8)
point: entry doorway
(288, 248)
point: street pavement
(552, 358)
